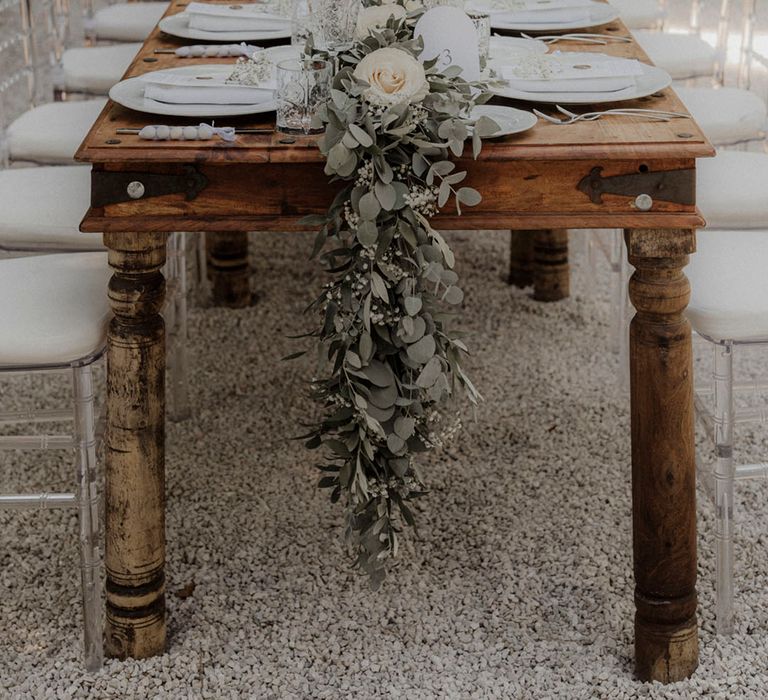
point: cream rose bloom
(394, 76)
(376, 17)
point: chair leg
(179, 409)
(724, 478)
(624, 312)
(88, 504)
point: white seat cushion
(732, 190)
(639, 14)
(681, 55)
(41, 208)
(52, 133)
(727, 115)
(729, 285)
(96, 69)
(55, 308)
(127, 21)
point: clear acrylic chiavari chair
(53, 314)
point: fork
(600, 39)
(572, 117)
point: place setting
(215, 90)
(229, 23)
(576, 78)
(545, 15)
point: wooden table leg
(228, 270)
(135, 447)
(663, 464)
(540, 258)
(521, 258)
(551, 272)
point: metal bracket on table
(109, 187)
(678, 186)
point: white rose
(376, 17)
(394, 76)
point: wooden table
(553, 177)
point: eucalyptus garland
(391, 360)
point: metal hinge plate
(678, 186)
(116, 187)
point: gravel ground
(517, 586)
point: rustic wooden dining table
(621, 173)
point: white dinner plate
(502, 46)
(510, 120)
(130, 93)
(599, 13)
(652, 80)
(176, 25)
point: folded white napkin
(572, 72)
(566, 15)
(207, 90)
(534, 5)
(233, 18)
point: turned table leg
(540, 258)
(663, 464)
(135, 447)
(521, 258)
(551, 272)
(228, 271)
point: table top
(612, 139)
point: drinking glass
(334, 23)
(301, 22)
(303, 85)
(482, 22)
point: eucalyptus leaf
(422, 351)
(378, 286)
(412, 305)
(404, 427)
(384, 397)
(469, 196)
(366, 347)
(454, 295)
(386, 194)
(379, 373)
(395, 444)
(432, 370)
(419, 328)
(369, 206)
(363, 138)
(367, 233)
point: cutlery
(600, 39)
(572, 118)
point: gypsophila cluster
(252, 71)
(391, 358)
(422, 199)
